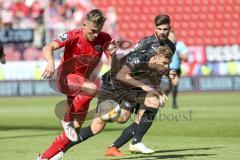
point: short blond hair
(165, 51)
(96, 16)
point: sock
(144, 124)
(78, 106)
(126, 135)
(79, 101)
(175, 91)
(85, 133)
(58, 144)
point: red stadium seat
(205, 20)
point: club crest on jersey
(98, 48)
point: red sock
(58, 144)
(78, 106)
(81, 102)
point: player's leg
(146, 115)
(126, 135)
(2, 55)
(80, 92)
(61, 144)
(61, 141)
(97, 124)
(73, 118)
(126, 110)
(175, 83)
(96, 127)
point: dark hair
(96, 16)
(162, 19)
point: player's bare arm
(184, 56)
(124, 76)
(96, 71)
(48, 55)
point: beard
(162, 36)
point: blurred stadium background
(211, 30)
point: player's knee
(97, 126)
(125, 114)
(122, 119)
(152, 101)
(92, 89)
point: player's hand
(49, 70)
(150, 90)
(172, 74)
(113, 46)
(162, 98)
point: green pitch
(207, 126)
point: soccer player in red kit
(83, 50)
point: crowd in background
(51, 18)
(48, 19)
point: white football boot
(70, 131)
(39, 158)
(140, 148)
(58, 156)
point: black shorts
(128, 99)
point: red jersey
(80, 55)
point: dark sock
(175, 91)
(85, 133)
(144, 124)
(126, 135)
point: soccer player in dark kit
(162, 30)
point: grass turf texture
(206, 126)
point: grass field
(207, 126)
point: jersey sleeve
(107, 40)
(171, 45)
(133, 61)
(65, 38)
(182, 48)
(141, 45)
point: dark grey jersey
(151, 43)
(138, 63)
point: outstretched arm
(48, 55)
(124, 76)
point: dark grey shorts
(128, 99)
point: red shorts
(70, 85)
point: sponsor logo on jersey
(63, 37)
(98, 48)
(154, 46)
